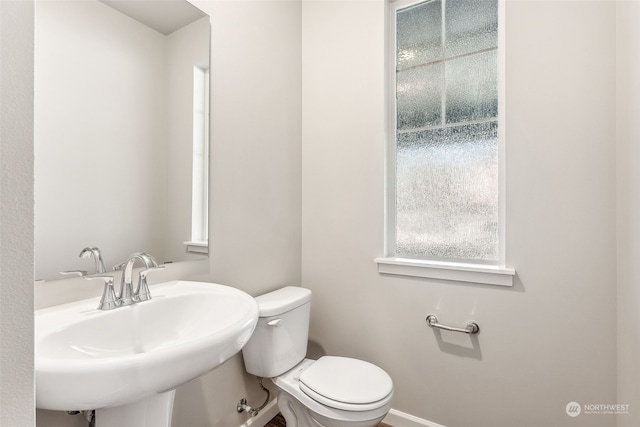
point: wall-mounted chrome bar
(471, 328)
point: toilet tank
(279, 341)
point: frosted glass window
(447, 193)
(472, 87)
(471, 26)
(446, 147)
(419, 34)
(419, 96)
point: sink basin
(90, 359)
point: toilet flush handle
(274, 322)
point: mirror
(121, 132)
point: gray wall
(549, 340)
(628, 166)
(16, 214)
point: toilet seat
(356, 415)
(346, 384)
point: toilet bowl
(329, 392)
(300, 401)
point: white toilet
(330, 392)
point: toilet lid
(345, 383)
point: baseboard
(400, 419)
(265, 415)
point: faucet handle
(109, 299)
(76, 273)
(143, 293)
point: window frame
(199, 241)
(490, 272)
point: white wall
(628, 138)
(100, 130)
(551, 338)
(16, 214)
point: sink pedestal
(154, 411)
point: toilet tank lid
(282, 300)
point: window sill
(459, 272)
(197, 247)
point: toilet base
(298, 415)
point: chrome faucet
(127, 295)
(97, 256)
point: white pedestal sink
(126, 363)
